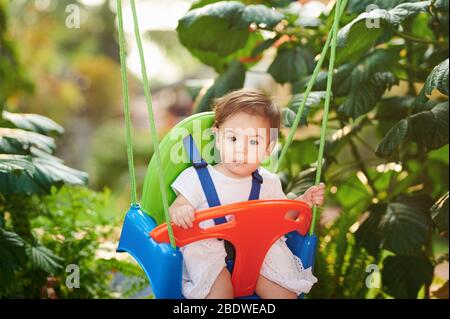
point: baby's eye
(254, 142)
(231, 138)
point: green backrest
(171, 146)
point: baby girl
(244, 121)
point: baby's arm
(181, 212)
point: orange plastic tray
(255, 228)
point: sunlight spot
(362, 177)
(402, 175)
(415, 188)
(341, 133)
(354, 227)
(391, 166)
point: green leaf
(348, 77)
(430, 128)
(361, 34)
(390, 143)
(223, 27)
(259, 49)
(12, 256)
(367, 234)
(232, 79)
(15, 164)
(365, 95)
(359, 6)
(31, 122)
(356, 38)
(43, 258)
(407, 10)
(220, 63)
(288, 114)
(21, 174)
(404, 228)
(420, 27)
(291, 64)
(438, 79)
(439, 213)
(403, 276)
(17, 141)
(214, 28)
(262, 16)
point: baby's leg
(222, 287)
(267, 289)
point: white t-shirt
(230, 190)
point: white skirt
(204, 260)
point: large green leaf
(291, 64)
(220, 63)
(358, 36)
(43, 258)
(349, 77)
(355, 39)
(20, 174)
(404, 228)
(439, 213)
(367, 234)
(288, 114)
(403, 276)
(263, 16)
(365, 95)
(232, 79)
(428, 128)
(438, 79)
(359, 6)
(395, 136)
(31, 122)
(223, 27)
(17, 141)
(12, 256)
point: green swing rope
(126, 112)
(148, 99)
(332, 38)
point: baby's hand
(314, 195)
(182, 216)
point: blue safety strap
(201, 167)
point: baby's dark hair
(250, 101)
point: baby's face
(243, 141)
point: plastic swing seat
(149, 245)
